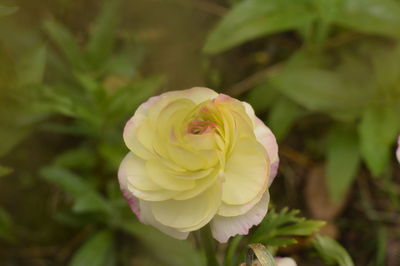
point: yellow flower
(198, 157)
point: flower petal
(246, 172)
(265, 136)
(190, 214)
(161, 177)
(132, 170)
(285, 262)
(224, 227)
(148, 218)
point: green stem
(208, 245)
(232, 247)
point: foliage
(332, 252)
(281, 228)
(333, 73)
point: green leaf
(5, 171)
(378, 130)
(98, 250)
(65, 42)
(251, 19)
(282, 116)
(262, 97)
(5, 225)
(278, 228)
(82, 158)
(7, 10)
(102, 36)
(304, 228)
(31, 68)
(125, 100)
(85, 196)
(310, 81)
(162, 246)
(371, 16)
(331, 251)
(343, 160)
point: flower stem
(208, 245)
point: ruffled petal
(190, 214)
(132, 170)
(148, 218)
(265, 136)
(223, 228)
(246, 173)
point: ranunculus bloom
(398, 150)
(286, 261)
(198, 157)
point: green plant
(347, 68)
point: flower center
(198, 127)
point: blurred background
(323, 74)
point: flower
(196, 158)
(398, 149)
(286, 261)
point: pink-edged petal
(398, 150)
(147, 217)
(224, 227)
(132, 201)
(265, 136)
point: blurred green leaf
(262, 97)
(331, 251)
(85, 196)
(254, 18)
(282, 116)
(7, 10)
(5, 225)
(378, 130)
(102, 35)
(82, 158)
(5, 170)
(98, 250)
(124, 101)
(317, 89)
(371, 16)
(65, 42)
(169, 251)
(31, 68)
(343, 160)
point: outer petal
(190, 214)
(224, 227)
(246, 173)
(267, 139)
(148, 218)
(398, 150)
(133, 179)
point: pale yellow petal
(190, 214)
(246, 172)
(160, 175)
(133, 170)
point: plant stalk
(208, 245)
